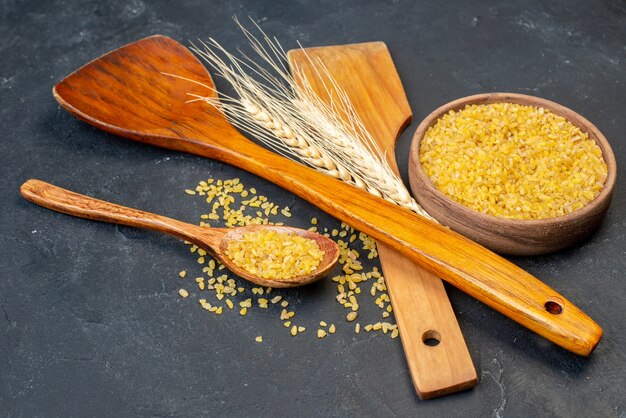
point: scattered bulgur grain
(183, 293)
(351, 316)
(259, 339)
(321, 333)
(219, 197)
(182, 274)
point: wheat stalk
(293, 120)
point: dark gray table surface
(90, 320)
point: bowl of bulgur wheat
(518, 174)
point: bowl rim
(487, 98)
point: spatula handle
(65, 201)
(458, 260)
(461, 262)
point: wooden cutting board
(435, 350)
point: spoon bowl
(214, 240)
(327, 245)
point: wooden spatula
(366, 73)
(126, 92)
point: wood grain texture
(214, 240)
(513, 236)
(125, 92)
(366, 73)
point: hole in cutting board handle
(553, 307)
(431, 338)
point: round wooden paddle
(435, 349)
(126, 92)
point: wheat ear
(295, 122)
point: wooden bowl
(512, 236)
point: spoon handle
(65, 201)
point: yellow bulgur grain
(275, 255)
(259, 339)
(331, 329)
(294, 330)
(183, 293)
(321, 333)
(351, 316)
(182, 274)
(513, 161)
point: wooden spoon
(126, 92)
(215, 240)
(438, 358)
